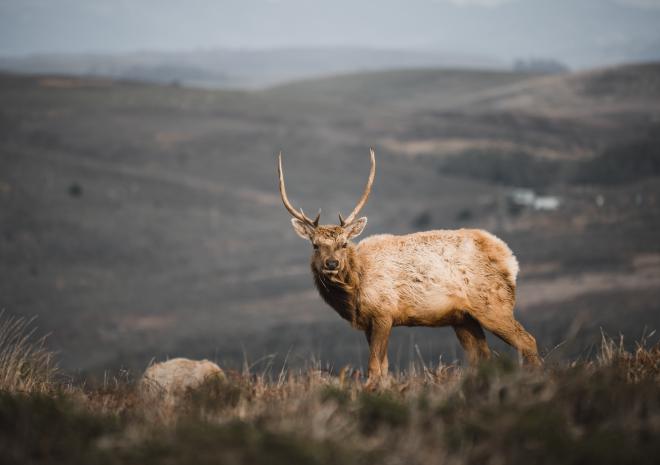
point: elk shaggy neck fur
(342, 291)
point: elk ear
(356, 227)
(303, 229)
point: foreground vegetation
(606, 410)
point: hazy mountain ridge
(247, 68)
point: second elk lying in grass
(465, 278)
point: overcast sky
(580, 32)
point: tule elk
(464, 278)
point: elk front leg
(378, 335)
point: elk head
(330, 242)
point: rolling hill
(142, 220)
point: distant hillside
(144, 220)
(410, 88)
(514, 128)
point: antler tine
(365, 194)
(315, 221)
(285, 199)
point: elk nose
(331, 264)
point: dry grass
(25, 364)
(605, 411)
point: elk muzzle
(331, 264)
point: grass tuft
(25, 364)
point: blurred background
(139, 211)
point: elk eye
(344, 245)
(316, 246)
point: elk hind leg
(472, 339)
(512, 332)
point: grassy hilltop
(604, 411)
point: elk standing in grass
(463, 278)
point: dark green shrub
(381, 409)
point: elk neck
(342, 291)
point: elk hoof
(373, 383)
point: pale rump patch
(497, 250)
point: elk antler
(365, 194)
(296, 214)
